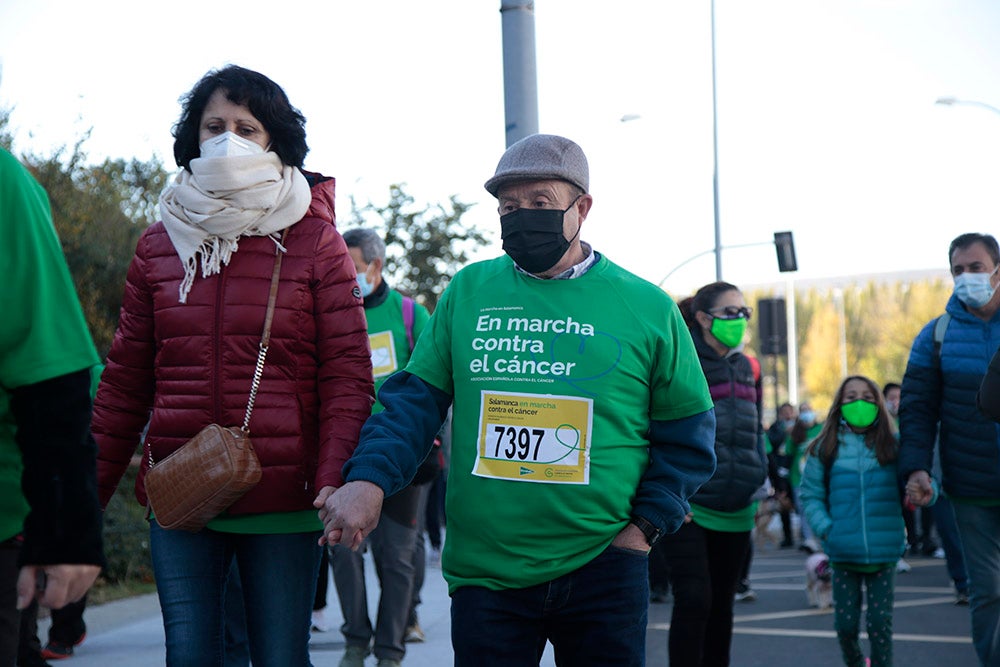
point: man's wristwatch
(652, 533)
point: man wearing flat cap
(582, 424)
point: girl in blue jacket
(851, 499)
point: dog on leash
(819, 586)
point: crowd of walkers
(594, 443)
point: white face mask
(228, 144)
(974, 289)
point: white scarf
(206, 210)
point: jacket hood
(324, 190)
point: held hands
(349, 513)
(55, 586)
(918, 488)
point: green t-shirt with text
(554, 384)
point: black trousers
(705, 567)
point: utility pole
(520, 80)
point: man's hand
(918, 488)
(55, 586)
(631, 538)
(350, 513)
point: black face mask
(533, 237)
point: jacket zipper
(217, 346)
(864, 510)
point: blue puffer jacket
(863, 522)
(970, 443)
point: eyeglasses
(731, 312)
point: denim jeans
(278, 575)
(979, 528)
(944, 521)
(593, 616)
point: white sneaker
(902, 566)
(938, 553)
(319, 623)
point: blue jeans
(595, 616)
(944, 521)
(980, 531)
(278, 575)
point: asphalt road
(779, 629)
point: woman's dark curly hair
(266, 101)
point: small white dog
(819, 589)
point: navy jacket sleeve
(60, 471)
(988, 398)
(395, 441)
(920, 405)
(681, 459)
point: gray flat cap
(541, 157)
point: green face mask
(729, 332)
(859, 414)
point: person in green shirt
(50, 520)
(395, 322)
(582, 423)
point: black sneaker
(57, 651)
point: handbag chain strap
(265, 339)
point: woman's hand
(350, 513)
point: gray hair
(371, 244)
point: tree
(99, 211)
(424, 246)
(880, 322)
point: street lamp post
(715, 162)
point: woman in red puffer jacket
(185, 350)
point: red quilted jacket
(181, 366)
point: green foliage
(878, 322)
(99, 212)
(126, 535)
(424, 246)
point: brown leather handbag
(212, 470)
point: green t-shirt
(44, 334)
(740, 521)
(387, 337)
(554, 384)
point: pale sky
(826, 114)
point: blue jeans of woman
(278, 576)
(593, 617)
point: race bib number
(534, 438)
(383, 354)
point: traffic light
(772, 327)
(785, 246)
